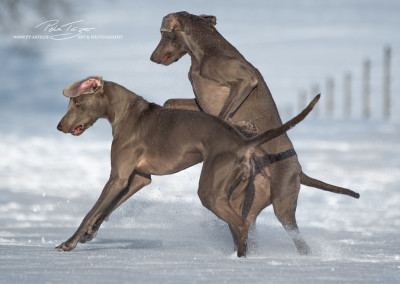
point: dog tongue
(166, 57)
(78, 130)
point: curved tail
(275, 132)
(309, 181)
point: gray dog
(152, 140)
(226, 85)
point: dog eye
(172, 36)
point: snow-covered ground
(48, 181)
(163, 234)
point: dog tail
(309, 181)
(275, 132)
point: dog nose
(59, 127)
(152, 58)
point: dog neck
(200, 47)
(194, 47)
(122, 105)
(197, 45)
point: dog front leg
(239, 93)
(139, 180)
(241, 83)
(114, 191)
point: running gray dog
(152, 140)
(226, 85)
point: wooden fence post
(315, 90)
(366, 89)
(386, 82)
(347, 95)
(330, 97)
(302, 100)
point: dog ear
(90, 85)
(170, 23)
(209, 18)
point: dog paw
(242, 243)
(66, 246)
(241, 252)
(303, 248)
(247, 128)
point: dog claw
(65, 246)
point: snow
(49, 180)
(163, 234)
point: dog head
(86, 105)
(172, 45)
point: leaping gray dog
(226, 85)
(151, 140)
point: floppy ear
(170, 23)
(209, 18)
(90, 85)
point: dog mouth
(171, 58)
(78, 130)
(166, 58)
